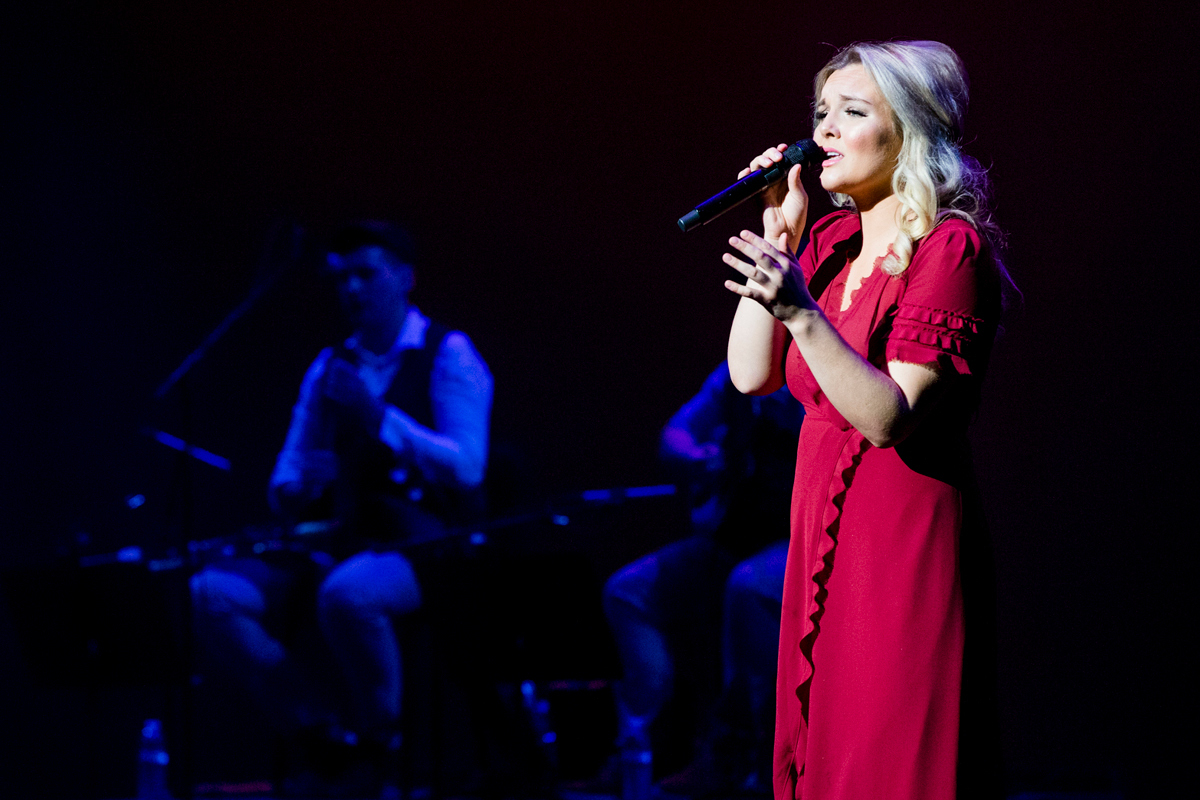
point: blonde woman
(882, 327)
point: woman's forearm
(883, 407)
(756, 345)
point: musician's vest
(409, 390)
(382, 501)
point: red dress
(872, 640)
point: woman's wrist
(776, 240)
(803, 322)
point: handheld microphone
(804, 152)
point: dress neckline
(841, 281)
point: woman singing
(890, 314)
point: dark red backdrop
(542, 153)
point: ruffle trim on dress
(842, 282)
(932, 336)
(848, 460)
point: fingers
(760, 250)
(745, 291)
(768, 159)
(751, 271)
(768, 271)
(793, 181)
(770, 156)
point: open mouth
(831, 157)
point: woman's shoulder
(953, 267)
(954, 233)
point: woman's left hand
(774, 278)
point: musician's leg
(232, 607)
(647, 663)
(356, 607)
(649, 604)
(753, 601)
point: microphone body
(804, 152)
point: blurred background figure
(704, 611)
(387, 447)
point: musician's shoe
(606, 781)
(700, 779)
(756, 785)
(336, 764)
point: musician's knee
(222, 594)
(371, 584)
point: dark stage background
(158, 158)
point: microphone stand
(255, 294)
(184, 491)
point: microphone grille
(806, 152)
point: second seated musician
(705, 610)
(883, 328)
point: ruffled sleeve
(947, 316)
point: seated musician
(388, 444)
(704, 610)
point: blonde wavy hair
(925, 85)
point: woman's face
(854, 127)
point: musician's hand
(695, 463)
(342, 385)
(318, 469)
(708, 457)
(785, 205)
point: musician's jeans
(688, 605)
(750, 650)
(246, 611)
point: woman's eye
(820, 115)
(854, 112)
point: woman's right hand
(785, 205)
